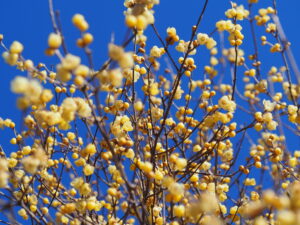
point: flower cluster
(33, 94)
(139, 14)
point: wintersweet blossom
(227, 104)
(171, 128)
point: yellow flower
(227, 104)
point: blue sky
(29, 22)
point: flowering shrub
(152, 137)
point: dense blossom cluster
(140, 141)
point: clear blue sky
(29, 22)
